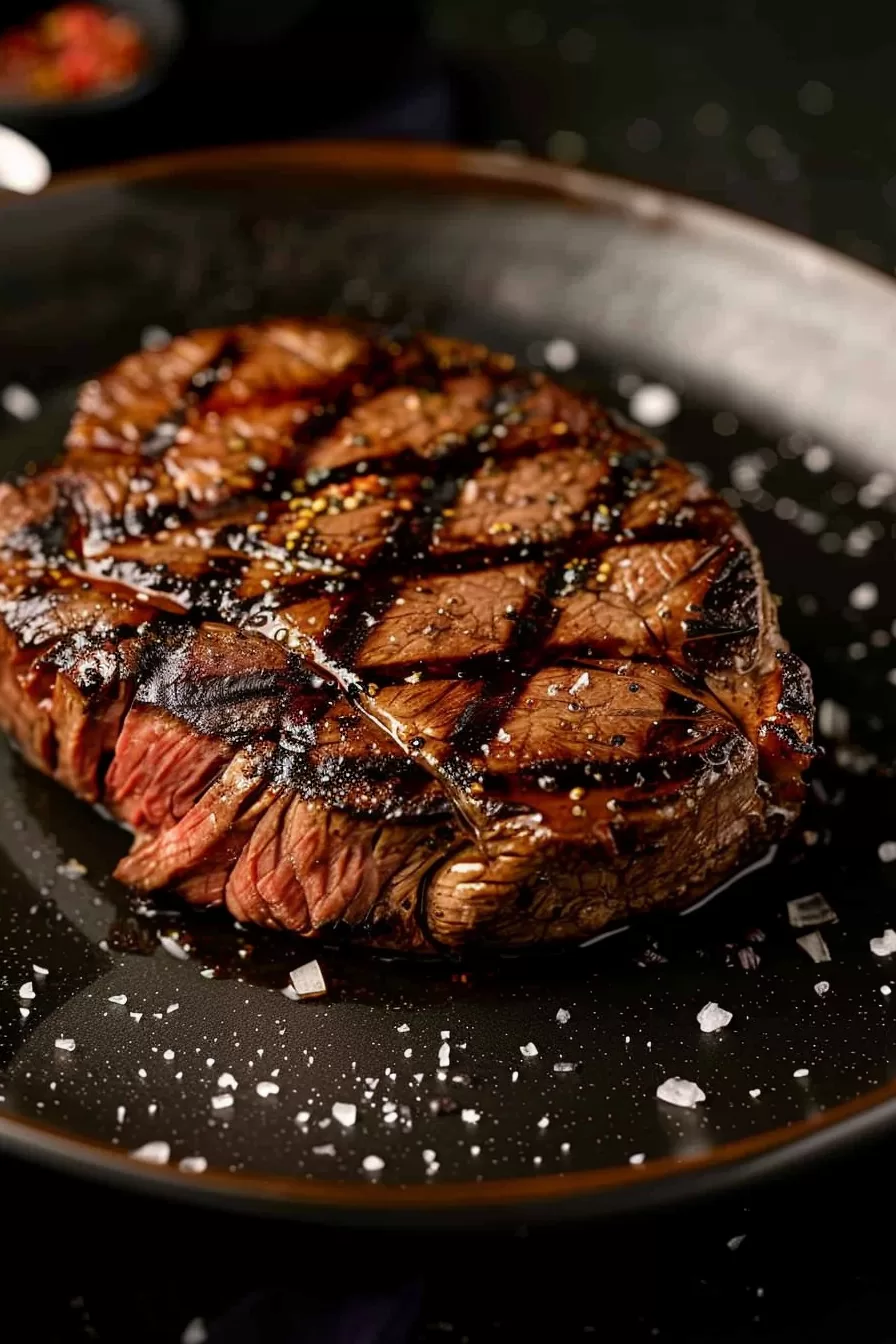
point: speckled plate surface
(780, 357)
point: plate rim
(543, 1197)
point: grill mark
(164, 433)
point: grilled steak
(392, 638)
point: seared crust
(394, 638)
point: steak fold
(393, 639)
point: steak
(387, 637)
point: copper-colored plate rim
(547, 1196)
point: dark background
(784, 110)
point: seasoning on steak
(395, 639)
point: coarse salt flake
(886, 991)
(712, 1018)
(544, 1122)
(884, 946)
(444, 1055)
(469, 1116)
(19, 402)
(227, 1080)
(373, 1163)
(193, 1164)
(266, 1089)
(815, 945)
(324, 1150)
(654, 404)
(886, 851)
(173, 947)
(221, 1102)
(801, 1073)
(118, 998)
(158, 1152)
(27, 991)
(808, 910)
(71, 868)
(404, 1027)
(64, 1043)
(563, 1016)
(529, 1051)
(308, 980)
(637, 1159)
(39, 971)
(755, 1092)
(346, 1112)
(167, 1054)
(822, 987)
(560, 354)
(680, 1092)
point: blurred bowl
(161, 25)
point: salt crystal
(373, 1163)
(289, 993)
(24, 1012)
(833, 720)
(864, 596)
(345, 1112)
(679, 1092)
(136, 1016)
(654, 404)
(822, 987)
(267, 1089)
(221, 1103)
(19, 402)
(580, 684)
(815, 945)
(712, 1018)
(808, 910)
(65, 1043)
(208, 973)
(308, 981)
(445, 1035)
(71, 868)
(637, 1159)
(529, 1051)
(544, 1122)
(193, 1164)
(157, 1152)
(562, 1066)
(755, 1092)
(475, 1150)
(428, 1155)
(172, 1008)
(563, 1016)
(886, 852)
(324, 1150)
(39, 971)
(885, 946)
(560, 354)
(564, 1147)
(118, 998)
(303, 1117)
(734, 1242)
(173, 947)
(168, 1054)
(195, 1332)
(120, 1114)
(886, 991)
(469, 1116)
(152, 1107)
(514, 1075)
(404, 1027)
(444, 1055)
(27, 991)
(227, 1080)
(155, 338)
(801, 1073)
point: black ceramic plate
(781, 355)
